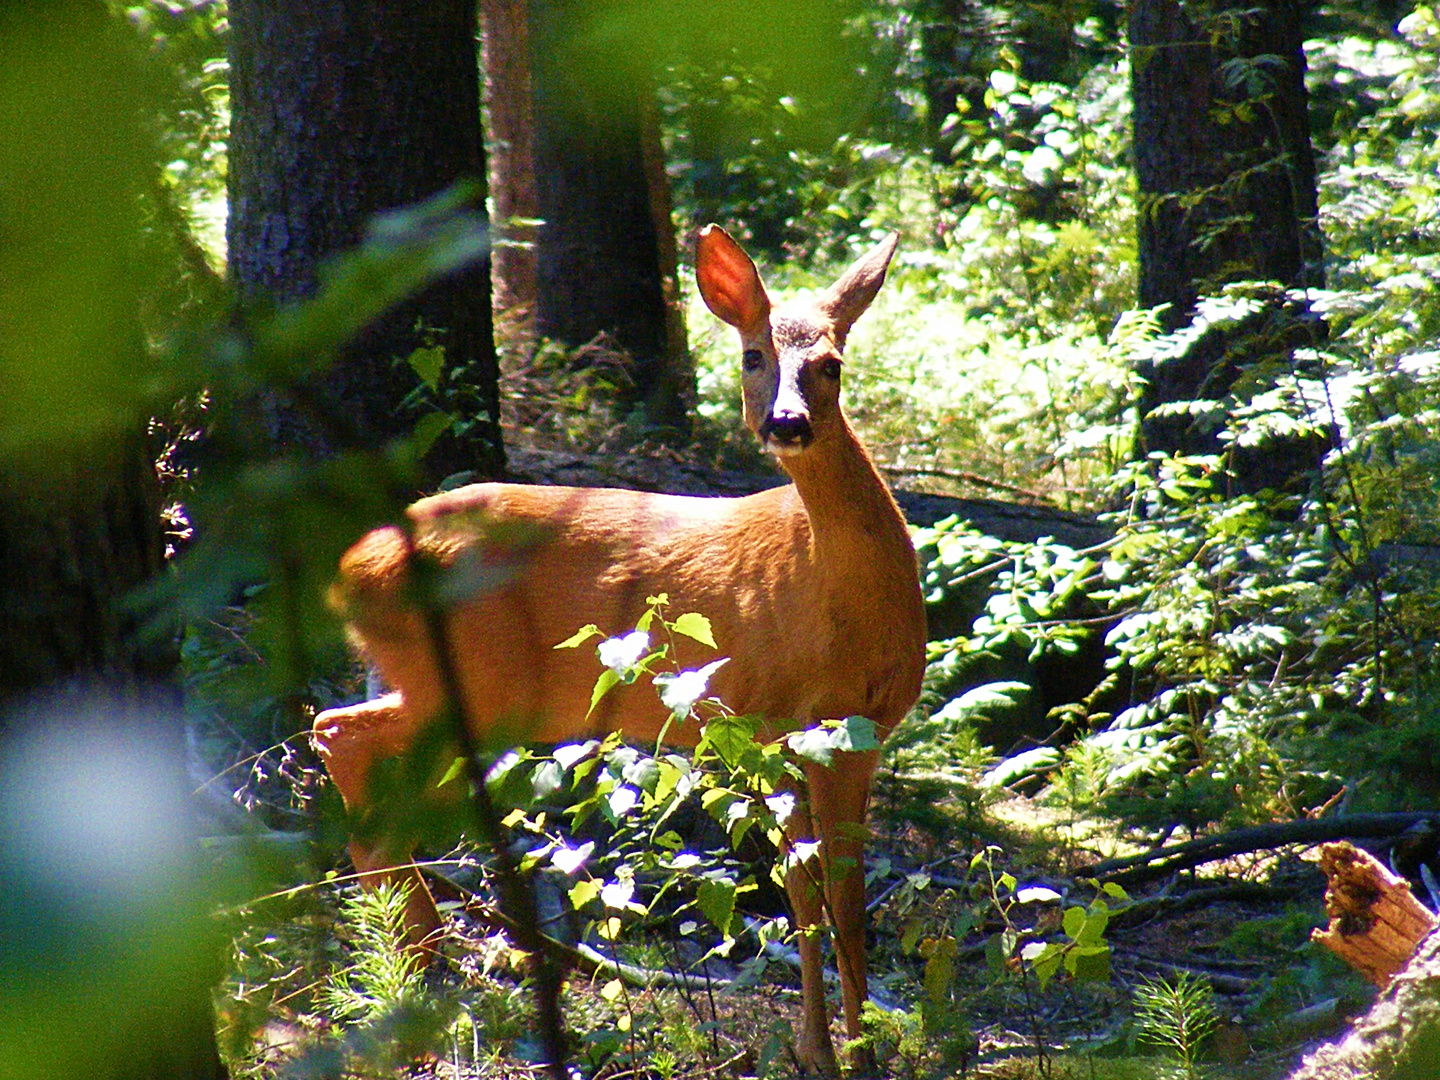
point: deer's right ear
(729, 281)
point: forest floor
(948, 868)
(1241, 928)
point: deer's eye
(752, 360)
(830, 368)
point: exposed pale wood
(1375, 921)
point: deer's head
(791, 357)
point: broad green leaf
(619, 895)
(681, 690)
(568, 755)
(1074, 922)
(456, 769)
(607, 681)
(567, 859)
(1092, 932)
(939, 970)
(738, 827)
(856, 733)
(612, 990)
(620, 654)
(582, 892)
(427, 362)
(696, 626)
(730, 736)
(1047, 965)
(1034, 950)
(716, 898)
(996, 953)
(1090, 964)
(1036, 894)
(782, 804)
(427, 429)
(622, 800)
(667, 777)
(911, 936)
(584, 634)
(546, 779)
(643, 772)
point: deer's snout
(787, 429)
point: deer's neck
(857, 532)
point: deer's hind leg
(351, 741)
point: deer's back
(530, 565)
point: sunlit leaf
(695, 626)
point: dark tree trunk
(1227, 180)
(341, 110)
(80, 529)
(600, 266)
(942, 73)
(76, 536)
(510, 113)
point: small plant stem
(516, 898)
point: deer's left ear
(729, 282)
(847, 299)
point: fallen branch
(1163, 861)
(1222, 981)
(582, 957)
(597, 963)
(1251, 892)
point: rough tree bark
(510, 115)
(599, 248)
(1226, 175)
(341, 110)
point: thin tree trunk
(341, 110)
(599, 255)
(676, 382)
(510, 116)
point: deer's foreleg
(804, 883)
(839, 798)
(351, 741)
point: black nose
(788, 428)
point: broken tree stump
(1375, 923)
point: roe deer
(811, 590)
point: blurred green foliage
(1266, 650)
